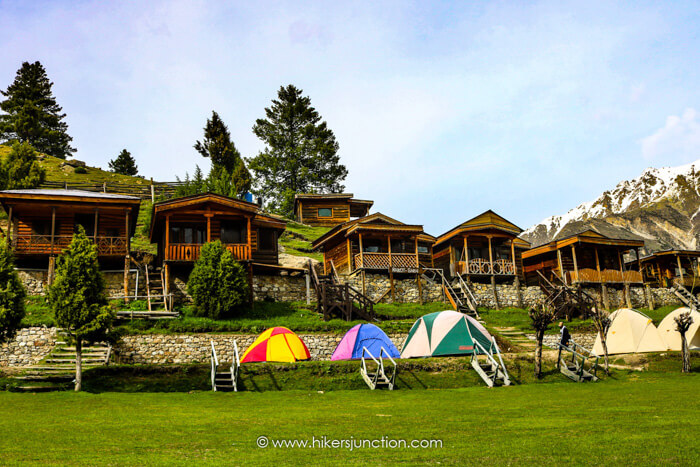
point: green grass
(645, 418)
(37, 312)
(297, 239)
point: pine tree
(301, 153)
(124, 164)
(218, 147)
(77, 297)
(12, 295)
(32, 114)
(217, 284)
(21, 169)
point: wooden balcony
(686, 281)
(189, 252)
(41, 245)
(481, 266)
(399, 262)
(608, 276)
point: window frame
(319, 215)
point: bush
(12, 296)
(80, 170)
(218, 284)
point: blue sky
(442, 110)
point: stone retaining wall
(196, 348)
(378, 287)
(552, 340)
(28, 347)
(35, 280)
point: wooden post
(153, 192)
(561, 266)
(432, 258)
(97, 214)
(53, 227)
(249, 253)
(349, 246)
(166, 254)
(512, 257)
(307, 278)
(391, 271)
(573, 254)
(466, 255)
(680, 268)
(628, 298)
(495, 293)
(649, 297)
(619, 259)
(491, 256)
(166, 269)
(126, 259)
(9, 226)
(417, 259)
(362, 259)
(50, 272)
(597, 265)
(639, 263)
(364, 290)
(250, 285)
(208, 216)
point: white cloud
(678, 138)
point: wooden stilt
(518, 291)
(649, 297)
(391, 272)
(495, 293)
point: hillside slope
(661, 206)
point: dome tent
(364, 335)
(630, 332)
(445, 333)
(276, 345)
(667, 329)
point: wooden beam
(466, 255)
(561, 266)
(128, 237)
(53, 227)
(349, 247)
(9, 226)
(416, 250)
(362, 261)
(512, 256)
(167, 238)
(208, 229)
(619, 260)
(97, 215)
(573, 254)
(680, 266)
(249, 240)
(491, 258)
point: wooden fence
(148, 190)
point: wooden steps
(688, 299)
(375, 372)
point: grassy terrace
(647, 417)
(297, 239)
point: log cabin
(181, 226)
(485, 247)
(41, 224)
(377, 244)
(586, 258)
(328, 210)
(666, 268)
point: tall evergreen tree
(12, 295)
(77, 297)
(124, 164)
(301, 152)
(32, 114)
(218, 147)
(21, 169)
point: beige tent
(667, 329)
(630, 332)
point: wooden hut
(41, 224)
(375, 243)
(329, 209)
(586, 258)
(665, 268)
(181, 226)
(484, 247)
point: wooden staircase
(457, 292)
(690, 300)
(157, 296)
(224, 379)
(334, 299)
(566, 300)
(377, 375)
(582, 366)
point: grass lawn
(297, 239)
(646, 417)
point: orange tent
(276, 345)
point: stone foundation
(378, 288)
(28, 347)
(36, 282)
(552, 340)
(196, 348)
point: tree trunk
(538, 354)
(604, 342)
(78, 364)
(685, 354)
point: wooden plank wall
(339, 255)
(309, 212)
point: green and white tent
(445, 333)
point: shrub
(218, 284)
(12, 295)
(80, 170)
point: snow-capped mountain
(661, 206)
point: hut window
(88, 223)
(325, 212)
(422, 249)
(234, 232)
(267, 240)
(43, 228)
(188, 234)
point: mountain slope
(661, 206)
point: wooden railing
(189, 252)
(41, 245)
(500, 267)
(687, 281)
(606, 275)
(399, 261)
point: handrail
(446, 284)
(235, 365)
(214, 365)
(336, 278)
(471, 299)
(364, 365)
